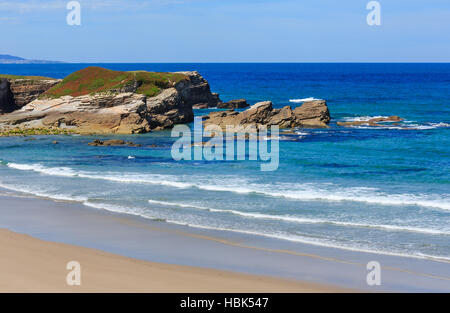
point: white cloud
(31, 5)
(23, 6)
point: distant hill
(10, 59)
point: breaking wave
(303, 100)
(408, 125)
(300, 192)
(301, 220)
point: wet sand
(126, 253)
(32, 265)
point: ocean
(378, 189)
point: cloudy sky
(227, 31)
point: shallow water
(377, 189)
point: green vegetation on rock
(94, 80)
(35, 132)
(7, 76)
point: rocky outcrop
(7, 104)
(233, 104)
(375, 122)
(200, 106)
(86, 114)
(28, 90)
(113, 143)
(122, 110)
(196, 91)
(15, 93)
(169, 108)
(313, 114)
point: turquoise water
(372, 189)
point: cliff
(97, 100)
(17, 91)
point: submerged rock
(373, 122)
(112, 143)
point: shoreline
(32, 265)
(177, 245)
(11, 192)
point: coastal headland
(96, 100)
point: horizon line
(242, 62)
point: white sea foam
(407, 125)
(429, 126)
(303, 100)
(300, 192)
(53, 171)
(181, 205)
(301, 220)
(280, 138)
(293, 238)
(43, 193)
(321, 243)
(362, 118)
(118, 209)
(287, 237)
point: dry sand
(32, 265)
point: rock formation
(101, 101)
(96, 100)
(6, 97)
(313, 114)
(200, 106)
(233, 104)
(196, 91)
(112, 143)
(373, 121)
(17, 91)
(28, 90)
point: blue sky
(227, 31)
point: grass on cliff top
(94, 80)
(7, 76)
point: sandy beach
(32, 265)
(126, 253)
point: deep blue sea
(375, 189)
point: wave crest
(299, 192)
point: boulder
(313, 114)
(284, 118)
